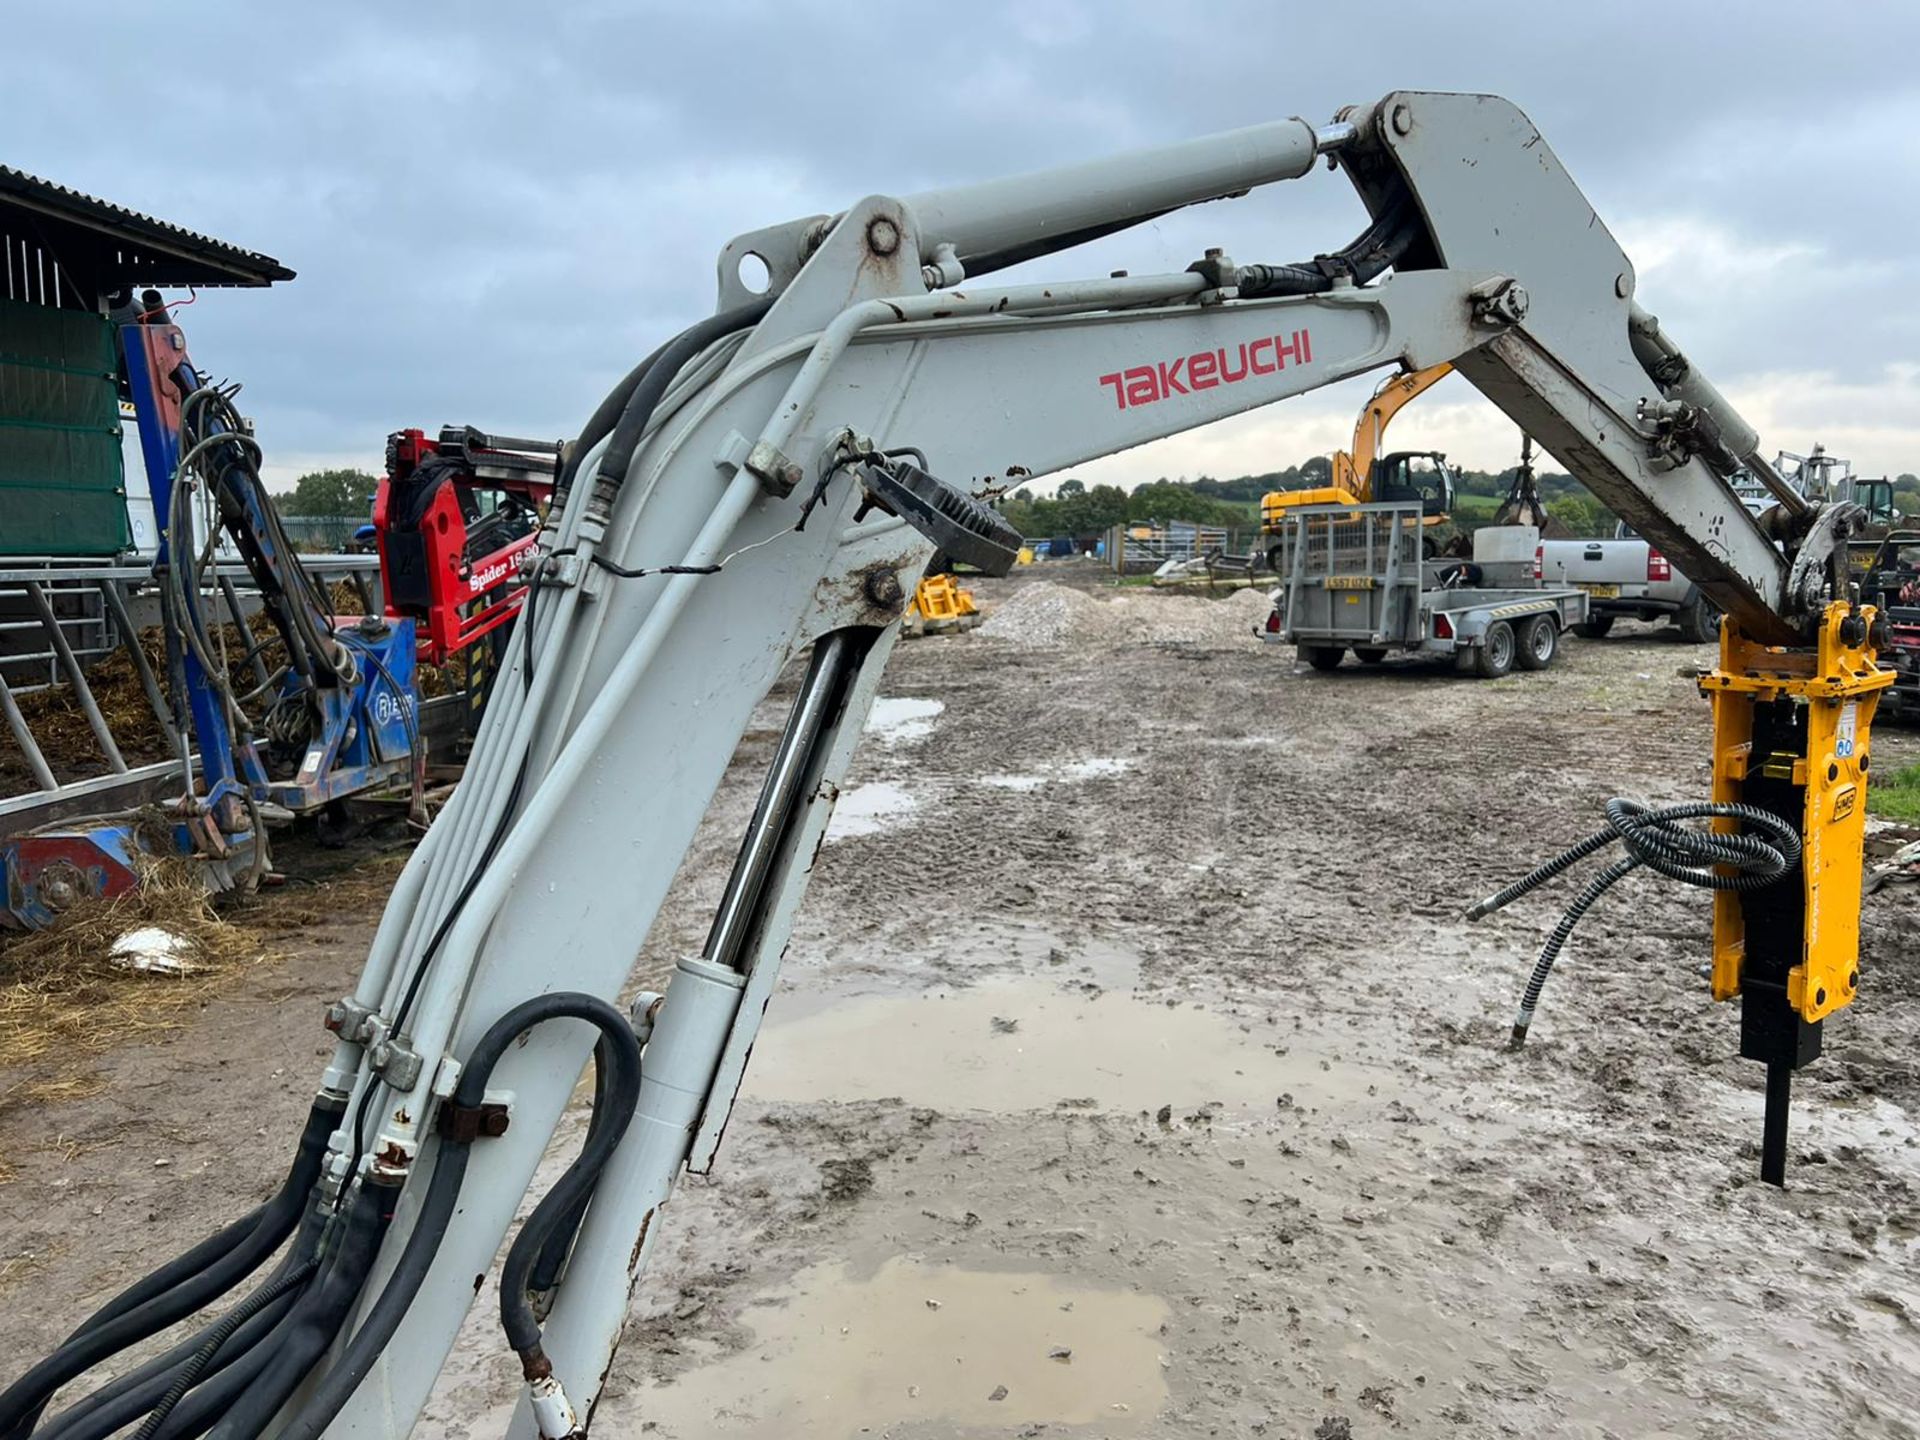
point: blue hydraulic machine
(337, 716)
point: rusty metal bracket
(463, 1124)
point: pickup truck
(1625, 576)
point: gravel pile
(1043, 614)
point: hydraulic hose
(988, 261)
(558, 1215)
(23, 1401)
(206, 1403)
(1377, 249)
(552, 1260)
(261, 1300)
(599, 425)
(336, 1387)
(117, 1405)
(173, 1272)
(1657, 839)
(243, 1353)
(306, 1334)
(659, 374)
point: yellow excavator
(1359, 477)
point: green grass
(1897, 797)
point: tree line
(1084, 513)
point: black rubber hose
(1375, 250)
(307, 1334)
(599, 425)
(560, 1211)
(109, 1416)
(229, 1324)
(1659, 840)
(988, 261)
(118, 1404)
(211, 1399)
(173, 1272)
(23, 1401)
(336, 1387)
(552, 1259)
(670, 359)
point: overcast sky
(495, 209)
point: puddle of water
(921, 1342)
(1010, 1044)
(1068, 773)
(1013, 782)
(823, 979)
(896, 720)
(868, 809)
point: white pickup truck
(1625, 576)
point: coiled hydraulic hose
(336, 1387)
(217, 1269)
(1658, 839)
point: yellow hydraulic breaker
(1791, 732)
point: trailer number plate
(1349, 582)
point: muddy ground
(1137, 1075)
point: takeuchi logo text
(1205, 369)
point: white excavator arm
(762, 490)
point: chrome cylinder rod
(821, 694)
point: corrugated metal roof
(157, 252)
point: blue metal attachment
(354, 715)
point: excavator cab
(1876, 498)
(1410, 475)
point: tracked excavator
(765, 489)
(1361, 474)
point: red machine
(452, 518)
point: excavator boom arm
(1353, 468)
(747, 500)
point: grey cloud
(494, 208)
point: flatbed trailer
(1356, 579)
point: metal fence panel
(324, 533)
(85, 724)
